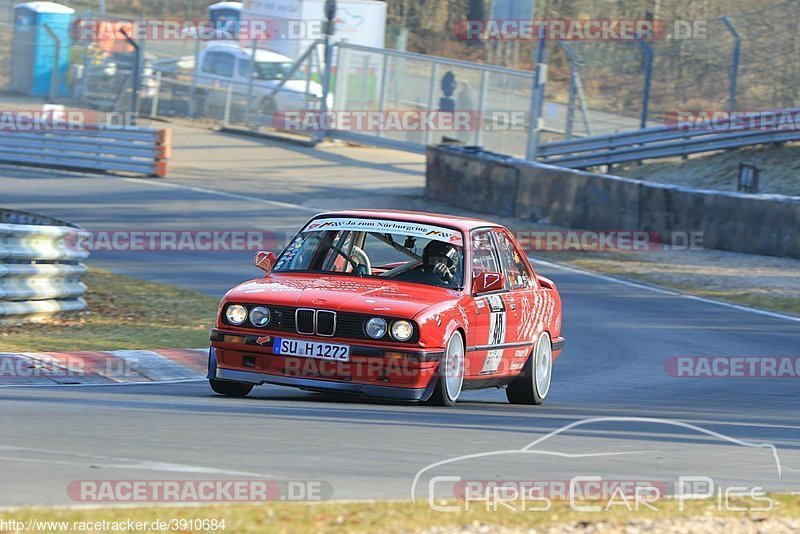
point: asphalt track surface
(619, 336)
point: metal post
(54, 75)
(250, 81)
(537, 99)
(137, 64)
(226, 116)
(156, 96)
(365, 81)
(330, 28)
(193, 90)
(575, 92)
(309, 69)
(384, 80)
(86, 66)
(648, 75)
(734, 72)
(571, 103)
(432, 97)
(482, 107)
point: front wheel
(230, 389)
(533, 383)
(451, 373)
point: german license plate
(311, 349)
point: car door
(521, 300)
(216, 68)
(487, 314)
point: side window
(224, 65)
(244, 68)
(517, 275)
(484, 259)
(208, 62)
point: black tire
(267, 107)
(524, 388)
(442, 395)
(230, 389)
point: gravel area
(779, 167)
(689, 525)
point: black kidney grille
(351, 326)
(304, 321)
(346, 325)
(326, 323)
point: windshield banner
(435, 233)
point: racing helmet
(439, 252)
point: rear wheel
(451, 374)
(533, 383)
(230, 389)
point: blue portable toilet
(33, 50)
(223, 12)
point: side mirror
(265, 260)
(487, 283)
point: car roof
(261, 55)
(464, 224)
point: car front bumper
(372, 371)
(379, 392)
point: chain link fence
(744, 62)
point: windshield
(271, 70)
(401, 251)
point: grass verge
(740, 288)
(404, 516)
(123, 313)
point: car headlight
(236, 314)
(402, 330)
(259, 316)
(376, 328)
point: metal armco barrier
(95, 148)
(40, 267)
(661, 142)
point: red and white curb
(98, 368)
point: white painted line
(117, 384)
(224, 194)
(671, 293)
(110, 462)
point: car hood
(298, 86)
(341, 293)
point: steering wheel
(361, 257)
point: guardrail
(40, 267)
(96, 148)
(664, 141)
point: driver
(440, 259)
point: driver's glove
(442, 271)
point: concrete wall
(488, 183)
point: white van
(223, 64)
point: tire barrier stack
(40, 267)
